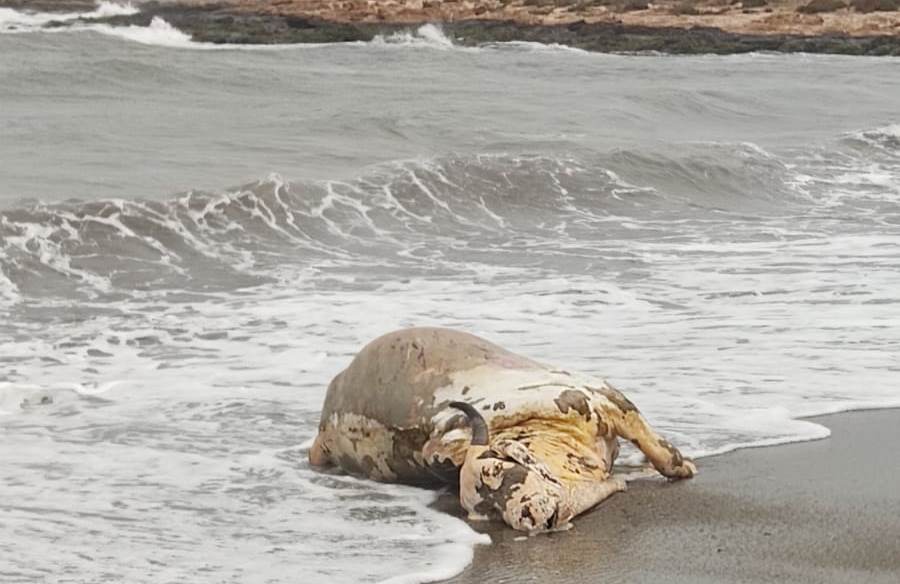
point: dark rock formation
(819, 6)
(223, 23)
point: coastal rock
(669, 26)
(817, 6)
(867, 6)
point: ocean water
(195, 239)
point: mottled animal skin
(551, 436)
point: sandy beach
(818, 512)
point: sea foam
(426, 36)
(158, 32)
(29, 21)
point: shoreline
(612, 26)
(821, 511)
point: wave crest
(885, 139)
(419, 217)
(422, 213)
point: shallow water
(719, 236)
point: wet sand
(818, 512)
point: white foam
(38, 240)
(12, 396)
(453, 553)
(434, 35)
(889, 130)
(9, 292)
(862, 181)
(307, 444)
(28, 21)
(533, 46)
(17, 397)
(426, 36)
(210, 419)
(157, 33)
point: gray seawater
(194, 241)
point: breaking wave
(427, 35)
(15, 21)
(158, 33)
(250, 234)
(428, 216)
(885, 139)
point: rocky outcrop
(819, 6)
(672, 26)
(867, 6)
(735, 16)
